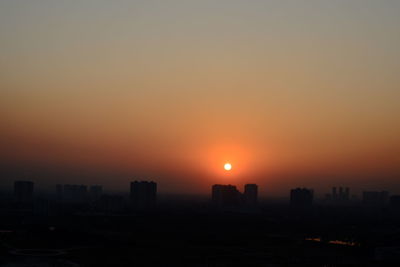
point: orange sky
(291, 93)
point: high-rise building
(301, 197)
(250, 194)
(225, 195)
(23, 191)
(143, 194)
(342, 197)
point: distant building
(250, 195)
(95, 192)
(340, 191)
(143, 194)
(23, 191)
(74, 193)
(375, 198)
(225, 195)
(341, 197)
(301, 197)
(344, 194)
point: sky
(291, 93)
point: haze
(292, 93)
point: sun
(227, 166)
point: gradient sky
(292, 93)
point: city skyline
(148, 191)
(199, 133)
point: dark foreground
(199, 235)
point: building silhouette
(23, 191)
(334, 193)
(143, 194)
(95, 192)
(339, 196)
(250, 195)
(375, 198)
(301, 197)
(344, 194)
(225, 195)
(72, 193)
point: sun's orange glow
(191, 111)
(227, 166)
